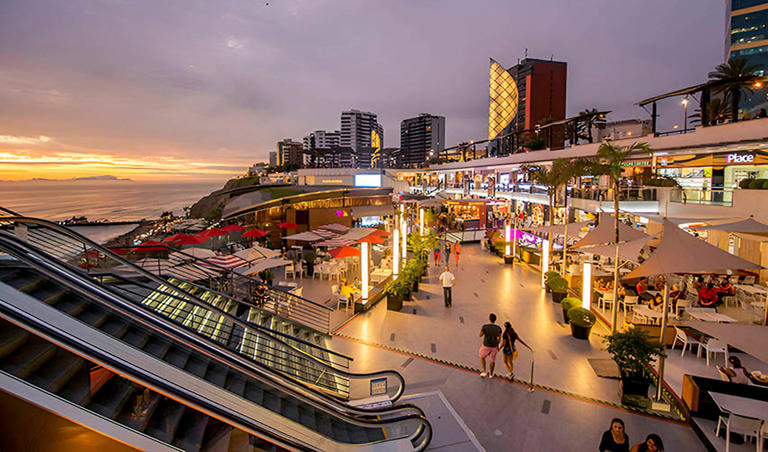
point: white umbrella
(748, 226)
(627, 250)
(200, 253)
(261, 266)
(307, 236)
(335, 227)
(257, 253)
(605, 232)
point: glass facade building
(747, 38)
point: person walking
(457, 250)
(447, 252)
(436, 254)
(508, 349)
(491, 334)
(447, 279)
(615, 439)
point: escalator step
(58, 372)
(189, 435)
(176, 357)
(290, 408)
(197, 365)
(373, 434)
(11, 338)
(138, 338)
(140, 410)
(114, 326)
(154, 345)
(255, 393)
(70, 304)
(340, 432)
(56, 297)
(270, 401)
(164, 423)
(216, 374)
(31, 356)
(111, 397)
(93, 315)
(33, 286)
(307, 416)
(323, 424)
(235, 384)
(78, 389)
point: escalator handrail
(106, 251)
(363, 417)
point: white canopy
(627, 250)
(353, 235)
(680, 252)
(605, 233)
(748, 226)
(261, 266)
(335, 227)
(749, 338)
(307, 236)
(573, 228)
(257, 253)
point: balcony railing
(625, 194)
(697, 196)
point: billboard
(368, 180)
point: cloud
(9, 139)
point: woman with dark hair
(652, 443)
(508, 349)
(736, 372)
(615, 439)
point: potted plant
(310, 256)
(567, 303)
(633, 352)
(549, 274)
(396, 291)
(559, 288)
(581, 321)
(267, 276)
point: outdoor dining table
(644, 311)
(741, 406)
(709, 316)
(758, 290)
(380, 274)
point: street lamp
(685, 114)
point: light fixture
(421, 221)
(395, 252)
(544, 260)
(684, 102)
(507, 239)
(586, 286)
(404, 257)
(364, 270)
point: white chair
(684, 340)
(606, 299)
(320, 270)
(713, 346)
(746, 426)
(629, 300)
(290, 269)
(748, 280)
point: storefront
(714, 171)
(473, 214)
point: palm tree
(736, 78)
(591, 118)
(610, 162)
(717, 111)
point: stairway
(35, 357)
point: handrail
(200, 303)
(103, 250)
(363, 417)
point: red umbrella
(255, 232)
(213, 232)
(178, 236)
(232, 228)
(344, 251)
(372, 238)
(380, 233)
(120, 250)
(150, 245)
(191, 240)
(288, 225)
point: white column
(507, 238)
(422, 228)
(395, 252)
(364, 269)
(404, 227)
(544, 260)
(586, 286)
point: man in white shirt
(447, 279)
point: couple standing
(494, 339)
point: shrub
(550, 274)
(569, 303)
(744, 183)
(633, 351)
(398, 288)
(765, 185)
(557, 284)
(756, 184)
(581, 317)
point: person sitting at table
(698, 284)
(676, 295)
(656, 302)
(708, 296)
(659, 284)
(725, 289)
(357, 284)
(735, 372)
(347, 290)
(642, 289)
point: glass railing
(698, 196)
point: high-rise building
(521, 96)
(747, 38)
(357, 133)
(420, 137)
(273, 158)
(322, 139)
(290, 152)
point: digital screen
(368, 180)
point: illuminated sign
(739, 158)
(331, 181)
(368, 180)
(342, 213)
(637, 163)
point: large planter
(394, 302)
(557, 297)
(634, 390)
(580, 332)
(509, 259)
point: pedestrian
(457, 250)
(615, 439)
(447, 252)
(652, 443)
(491, 334)
(436, 254)
(447, 279)
(508, 349)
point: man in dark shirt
(491, 334)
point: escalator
(68, 323)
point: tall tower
(419, 136)
(357, 129)
(520, 97)
(746, 38)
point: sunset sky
(202, 89)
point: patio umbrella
(191, 240)
(605, 232)
(179, 236)
(748, 226)
(375, 239)
(680, 252)
(232, 228)
(381, 233)
(261, 266)
(200, 253)
(287, 225)
(150, 245)
(255, 232)
(335, 227)
(628, 251)
(213, 232)
(344, 251)
(307, 236)
(257, 254)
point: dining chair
(748, 280)
(629, 300)
(747, 426)
(290, 269)
(729, 300)
(686, 341)
(606, 299)
(713, 346)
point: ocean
(112, 200)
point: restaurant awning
(627, 250)
(605, 233)
(748, 226)
(749, 338)
(680, 252)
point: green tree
(717, 111)
(610, 162)
(591, 119)
(736, 78)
